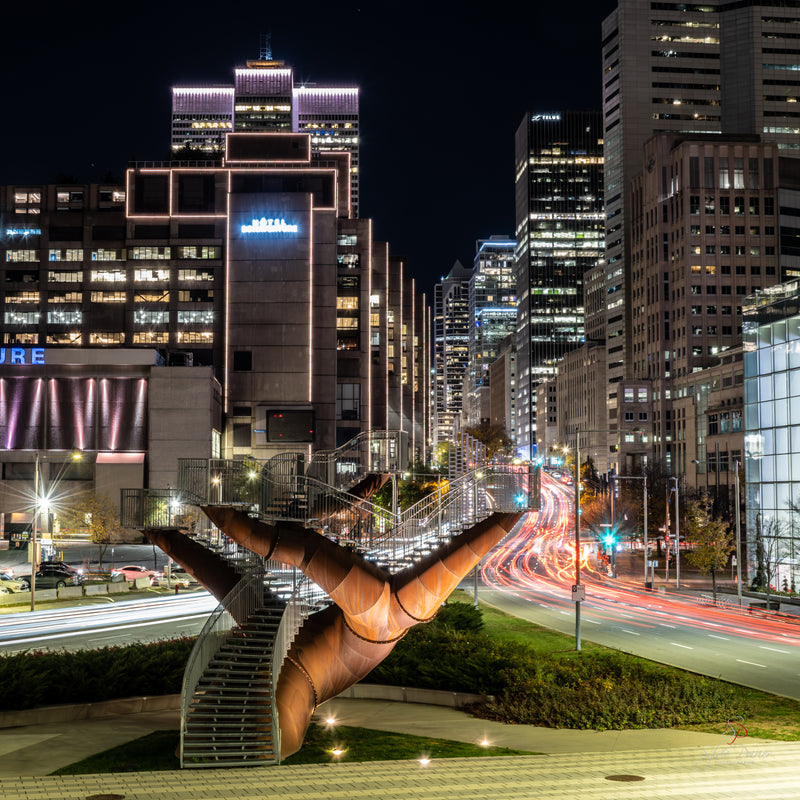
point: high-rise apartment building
(451, 325)
(265, 98)
(492, 317)
(710, 68)
(559, 233)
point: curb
(172, 702)
(78, 711)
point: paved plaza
(585, 765)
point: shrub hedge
(604, 690)
(600, 691)
(36, 678)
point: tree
(769, 554)
(99, 515)
(712, 537)
(493, 436)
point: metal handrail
(235, 608)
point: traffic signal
(609, 539)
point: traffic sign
(578, 594)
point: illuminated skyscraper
(559, 202)
(451, 348)
(265, 98)
(492, 317)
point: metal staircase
(228, 714)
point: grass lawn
(156, 751)
(765, 715)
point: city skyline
(439, 90)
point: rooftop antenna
(265, 50)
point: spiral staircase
(228, 714)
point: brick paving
(763, 770)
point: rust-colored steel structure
(372, 609)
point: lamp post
(578, 591)
(677, 532)
(738, 536)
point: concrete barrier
(118, 587)
(73, 711)
(405, 694)
(142, 583)
(69, 592)
(95, 588)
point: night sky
(444, 87)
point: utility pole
(576, 589)
(738, 538)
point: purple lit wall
(107, 414)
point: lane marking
(752, 663)
(714, 636)
(774, 649)
(664, 625)
(684, 646)
(625, 630)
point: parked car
(132, 572)
(177, 578)
(12, 584)
(67, 567)
(54, 577)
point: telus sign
(21, 355)
(269, 225)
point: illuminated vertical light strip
(36, 410)
(311, 314)
(386, 339)
(227, 324)
(412, 331)
(55, 416)
(101, 443)
(140, 413)
(128, 193)
(368, 327)
(398, 331)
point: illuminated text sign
(265, 225)
(23, 231)
(21, 355)
(546, 118)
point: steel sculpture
(372, 609)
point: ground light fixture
(424, 760)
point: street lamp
(677, 532)
(578, 591)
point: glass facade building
(560, 235)
(772, 435)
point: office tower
(451, 349)
(693, 68)
(264, 97)
(700, 243)
(559, 219)
(200, 118)
(492, 317)
(255, 268)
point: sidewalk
(585, 764)
(38, 749)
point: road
(118, 623)
(530, 576)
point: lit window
(151, 253)
(108, 276)
(22, 255)
(107, 337)
(151, 275)
(64, 316)
(196, 317)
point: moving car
(54, 577)
(133, 571)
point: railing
(305, 597)
(370, 451)
(235, 608)
(453, 507)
